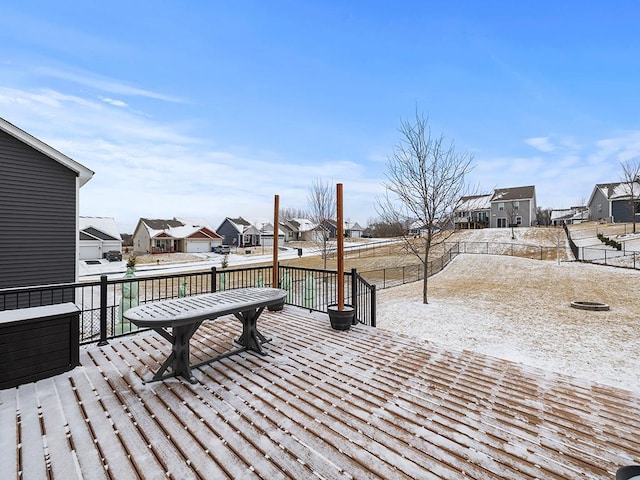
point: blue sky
(208, 109)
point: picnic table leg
(178, 361)
(181, 350)
(251, 338)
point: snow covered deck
(359, 404)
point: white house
(98, 235)
(569, 215)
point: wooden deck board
(80, 438)
(31, 452)
(321, 404)
(9, 427)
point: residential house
(612, 202)
(302, 229)
(38, 211)
(98, 235)
(266, 234)
(569, 216)
(504, 207)
(238, 232)
(417, 229)
(289, 232)
(514, 206)
(328, 228)
(473, 212)
(352, 230)
(170, 236)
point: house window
(501, 207)
(516, 205)
(502, 222)
(599, 207)
(518, 221)
(482, 216)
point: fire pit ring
(595, 306)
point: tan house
(170, 236)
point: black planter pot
(341, 319)
(628, 472)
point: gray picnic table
(185, 315)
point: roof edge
(84, 174)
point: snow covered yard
(519, 309)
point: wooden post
(340, 239)
(276, 230)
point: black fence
(572, 244)
(605, 255)
(102, 302)
(523, 250)
(392, 277)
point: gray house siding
(37, 217)
(599, 206)
(229, 233)
(621, 211)
(509, 214)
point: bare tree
(380, 229)
(426, 178)
(543, 216)
(291, 213)
(321, 201)
(512, 212)
(631, 176)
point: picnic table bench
(185, 315)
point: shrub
(609, 241)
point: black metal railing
(310, 288)
(316, 289)
(102, 302)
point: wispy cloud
(620, 148)
(148, 168)
(540, 143)
(101, 83)
(115, 103)
(563, 170)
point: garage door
(89, 252)
(198, 247)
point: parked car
(113, 256)
(223, 249)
